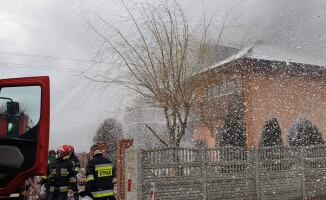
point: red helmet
(71, 148)
(64, 149)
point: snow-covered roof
(269, 52)
(276, 53)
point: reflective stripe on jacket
(103, 193)
(59, 189)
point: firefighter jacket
(73, 158)
(99, 177)
(61, 175)
(44, 179)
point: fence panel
(279, 173)
(175, 171)
(315, 171)
(234, 173)
(229, 173)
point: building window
(214, 91)
(237, 86)
(208, 91)
(223, 87)
(230, 87)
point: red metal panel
(21, 126)
(3, 126)
(40, 165)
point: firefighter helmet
(71, 148)
(64, 149)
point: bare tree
(162, 57)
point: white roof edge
(233, 57)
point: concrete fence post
(153, 191)
(122, 145)
(140, 179)
(203, 173)
(129, 187)
(303, 187)
(257, 173)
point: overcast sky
(50, 38)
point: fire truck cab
(24, 130)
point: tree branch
(158, 137)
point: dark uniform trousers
(58, 196)
(99, 178)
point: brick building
(261, 82)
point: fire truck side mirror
(12, 107)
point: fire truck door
(24, 130)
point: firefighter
(61, 175)
(52, 155)
(44, 180)
(73, 158)
(99, 176)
